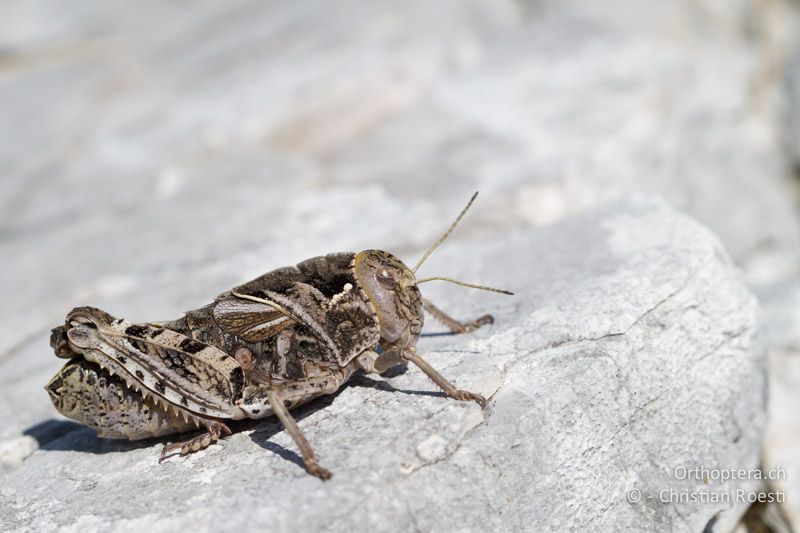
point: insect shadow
(362, 380)
(439, 334)
(63, 435)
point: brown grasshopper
(263, 348)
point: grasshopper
(267, 346)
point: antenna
(463, 284)
(446, 234)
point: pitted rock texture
(630, 349)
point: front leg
(410, 354)
(452, 324)
(372, 362)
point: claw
(315, 470)
(467, 395)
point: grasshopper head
(392, 288)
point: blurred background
(156, 153)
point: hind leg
(152, 366)
(84, 392)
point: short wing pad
(252, 321)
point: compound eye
(387, 278)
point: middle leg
(452, 324)
(259, 401)
(309, 457)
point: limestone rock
(630, 349)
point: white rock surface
(630, 349)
